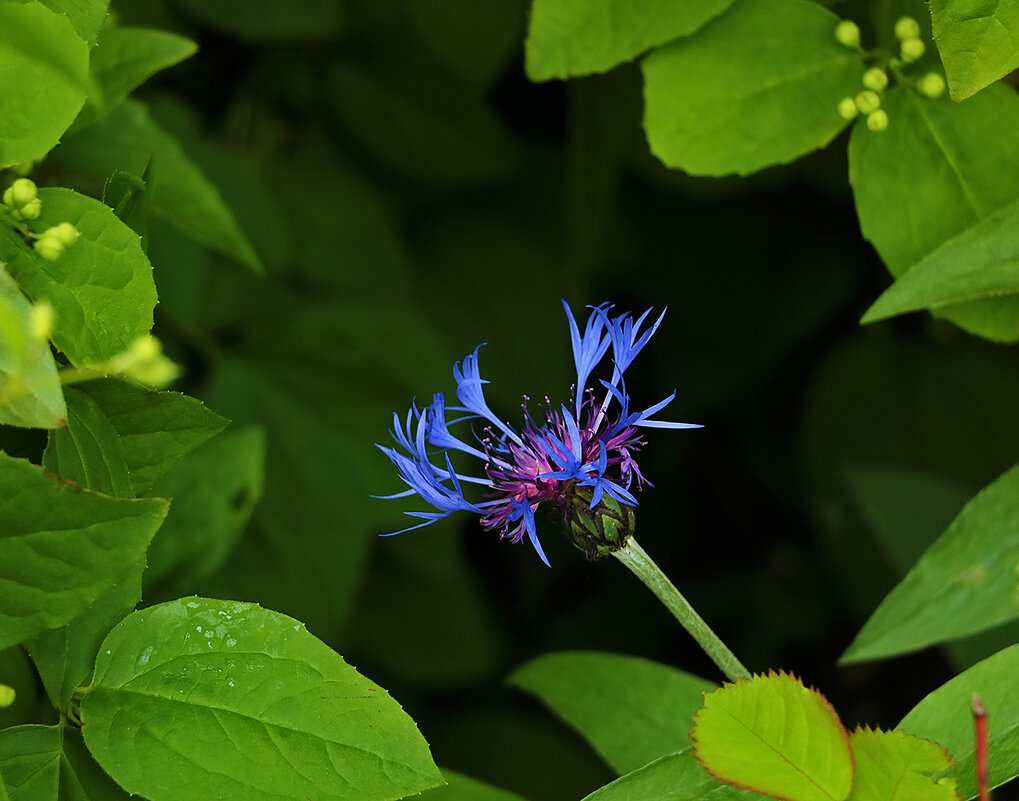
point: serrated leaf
(964, 583)
(156, 428)
(459, 787)
(675, 777)
(50, 763)
(61, 547)
(945, 717)
(42, 56)
(938, 170)
(631, 710)
(568, 38)
(199, 698)
(977, 41)
(127, 139)
(981, 262)
(101, 288)
(759, 85)
(772, 735)
(895, 766)
(30, 393)
(87, 16)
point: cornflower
(578, 458)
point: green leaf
(945, 717)
(129, 196)
(214, 490)
(981, 262)
(61, 547)
(773, 735)
(964, 583)
(574, 37)
(101, 288)
(156, 428)
(459, 787)
(936, 171)
(757, 86)
(50, 763)
(675, 777)
(199, 698)
(88, 450)
(977, 41)
(43, 57)
(124, 59)
(127, 139)
(270, 20)
(632, 710)
(87, 16)
(30, 394)
(895, 766)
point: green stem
(644, 568)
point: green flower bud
(868, 101)
(65, 232)
(598, 531)
(931, 85)
(144, 362)
(911, 50)
(877, 120)
(875, 78)
(907, 28)
(20, 193)
(29, 211)
(41, 320)
(847, 108)
(7, 695)
(847, 33)
(49, 247)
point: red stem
(980, 734)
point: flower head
(578, 459)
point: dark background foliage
(411, 194)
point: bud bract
(931, 85)
(877, 120)
(598, 531)
(911, 50)
(868, 101)
(875, 78)
(847, 33)
(907, 28)
(847, 108)
(20, 193)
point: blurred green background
(411, 194)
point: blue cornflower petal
(525, 514)
(438, 430)
(589, 348)
(470, 392)
(626, 344)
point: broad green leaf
(937, 170)
(88, 450)
(62, 547)
(981, 262)
(50, 763)
(459, 787)
(199, 698)
(945, 717)
(632, 710)
(757, 86)
(125, 58)
(43, 57)
(127, 139)
(270, 20)
(214, 491)
(101, 288)
(895, 766)
(577, 37)
(156, 428)
(773, 735)
(675, 777)
(977, 41)
(964, 583)
(87, 16)
(30, 394)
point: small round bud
(911, 50)
(907, 28)
(875, 78)
(931, 85)
(21, 193)
(847, 108)
(65, 232)
(49, 247)
(29, 211)
(144, 362)
(847, 34)
(41, 320)
(7, 696)
(868, 101)
(877, 120)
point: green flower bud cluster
(22, 200)
(145, 362)
(56, 239)
(868, 102)
(911, 48)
